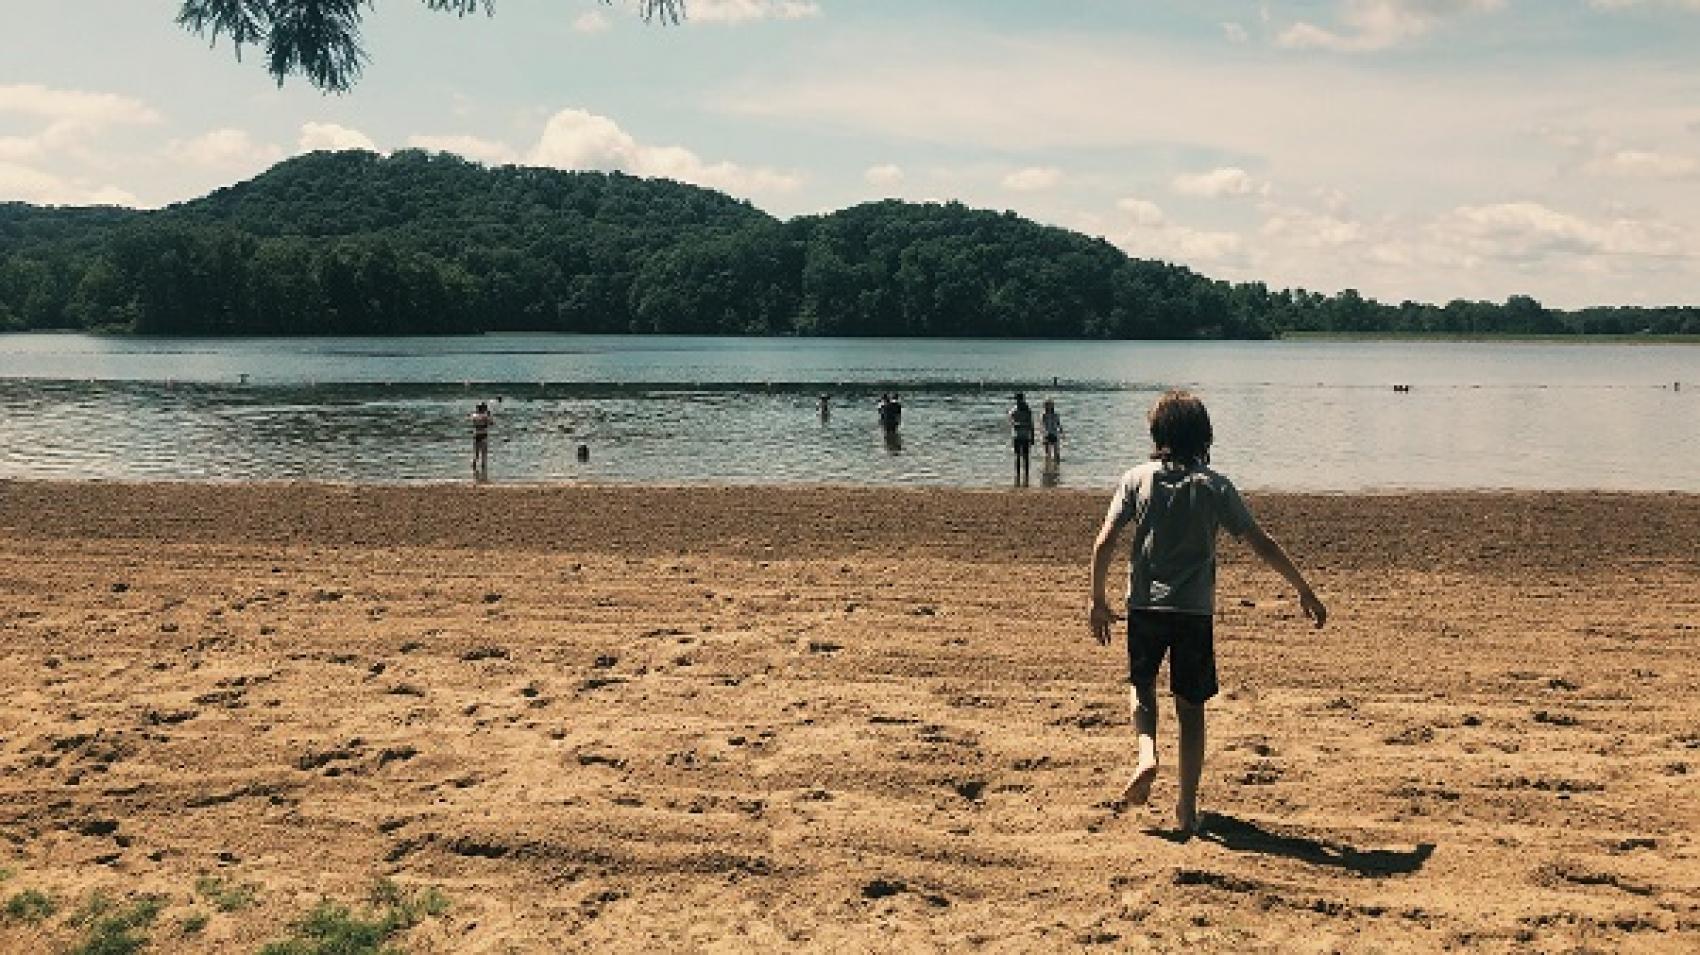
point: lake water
(1288, 415)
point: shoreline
(1578, 338)
(1658, 338)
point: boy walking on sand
(1176, 503)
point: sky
(1410, 149)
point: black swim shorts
(1188, 639)
(1023, 444)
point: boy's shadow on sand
(1243, 835)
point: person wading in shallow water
(1021, 431)
(481, 420)
(1051, 424)
(891, 416)
(890, 413)
(1175, 504)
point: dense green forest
(355, 243)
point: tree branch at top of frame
(320, 39)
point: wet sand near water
(632, 718)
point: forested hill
(355, 243)
(424, 197)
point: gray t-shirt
(1175, 512)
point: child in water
(1051, 423)
(481, 420)
(1176, 503)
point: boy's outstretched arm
(1099, 612)
(1270, 551)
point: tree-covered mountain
(355, 243)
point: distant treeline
(354, 243)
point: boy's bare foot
(1138, 789)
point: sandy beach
(644, 718)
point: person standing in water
(1021, 431)
(481, 421)
(891, 415)
(1051, 424)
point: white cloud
(1564, 137)
(1627, 4)
(1144, 231)
(74, 106)
(592, 21)
(1332, 200)
(1297, 226)
(1369, 25)
(20, 182)
(472, 147)
(1220, 183)
(65, 121)
(1642, 164)
(576, 139)
(1356, 123)
(1486, 251)
(1604, 155)
(745, 11)
(1236, 33)
(21, 148)
(1526, 231)
(1195, 247)
(315, 136)
(1146, 214)
(23, 182)
(223, 148)
(110, 196)
(1033, 179)
(1391, 255)
(884, 176)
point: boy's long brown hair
(1180, 429)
